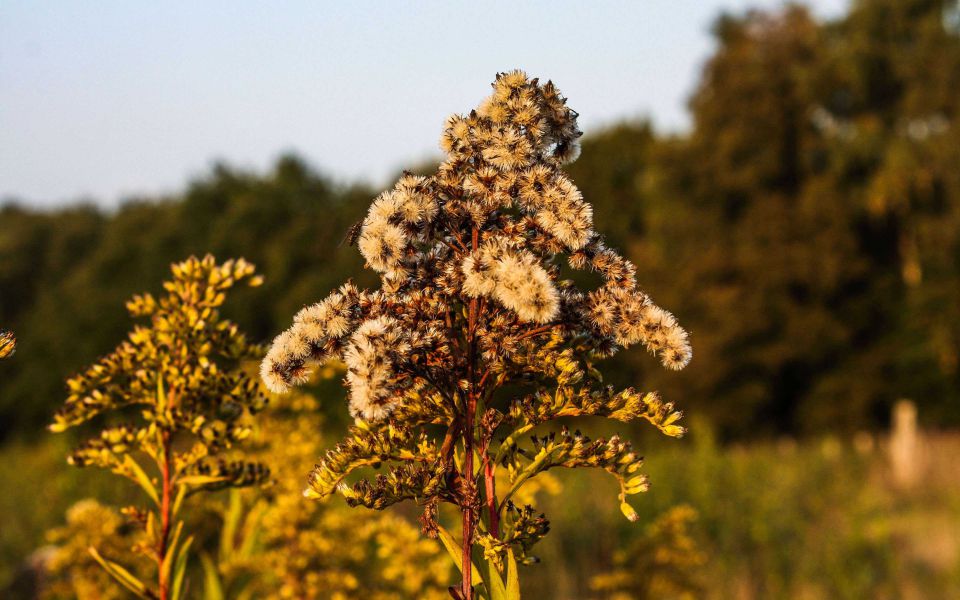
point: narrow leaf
(142, 479)
(455, 551)
(171, 556)
(199, 480)
(510, 441)
(231, 521)
(212, 586)
(180, 569)
(497, 590)
(250, 534)
(123, 576)
(513, 578)
(539, 464)
(178, 501)
(153, 533)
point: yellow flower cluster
(184, 376)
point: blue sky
(102, 100)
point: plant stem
(162, 583)
(469, 493)
(468, 504)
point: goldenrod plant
(180, 380)
(266, 542)
(274, 543)
(8, 343)
(663, 562)
(476, 337)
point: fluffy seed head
(515, 279)
(492, 223)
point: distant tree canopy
(806, 229)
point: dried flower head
(472, 298)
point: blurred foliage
(819, 519)
(36, 476)
(70, 570)
(662, 563)
(807, 229)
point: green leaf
(455, 551)
(141, 478)
(153, 534)
(212, 586)
(178, 501)
(513, 578)
(199, 480)
(497, 590)
(123, 576)
(250, 534)
(231, 521)
(180, 569)
(171, 555)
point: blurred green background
(806, 230)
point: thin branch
(537, 331)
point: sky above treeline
(107, 100)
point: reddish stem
(534, 332)
(483, 379)
(468, 495)
(163, 584)
(468, 491)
